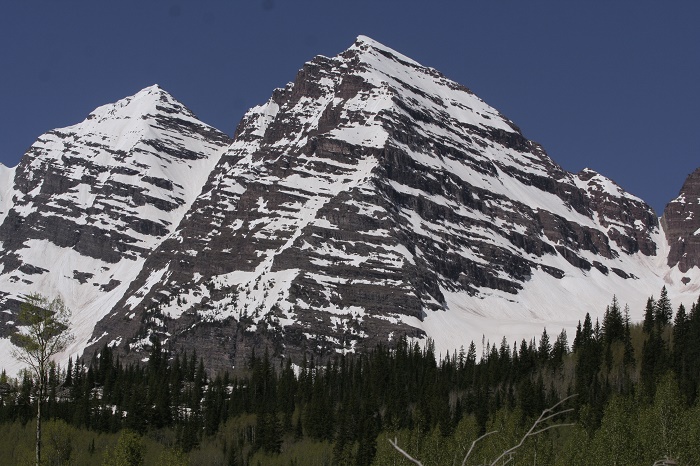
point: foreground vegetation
(636, 401)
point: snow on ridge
(144, 102)
(602, 183)
(127, 126)
(7, 191)
(459, 103)
(368, 41)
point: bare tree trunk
(38, 423)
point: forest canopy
(636, 388)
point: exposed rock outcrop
(681, 221)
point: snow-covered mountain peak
(422, 86)
(367, 45)
(149, 101)
(372, 197)
(369, 198)
(87, 203)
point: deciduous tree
(42, 332)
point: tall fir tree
(545, 348)
(663, 312)
(649, 312)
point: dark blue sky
(609, 85)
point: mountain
(88, 203)
(370, 198)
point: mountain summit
(370, 198)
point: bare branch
(464, 462)
(558, 413)
(409, 457)
(545, 416)
(553, 426)
(507, 455)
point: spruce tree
(663, 312)
(587, 329)
(649, 312)
(545, 347)
(559, 349)
(628, 359)
(577, 338)
(613, 325)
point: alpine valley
(370, 198)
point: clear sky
(610, 85)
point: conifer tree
(471, 354)
(577, 338)
(68, 380)
(680, 332)
(545, 347)
(587, 329)
(613, 325)
(559, 349)
(628, 359)
(649, 312)
(663, 312)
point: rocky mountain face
(370, 198)
(681, 221)
(88, 203)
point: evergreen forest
(630, 397)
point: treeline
(635, 387)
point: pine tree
(597, 332)
(613, 325)
(654, 362)
(690, 381)
(628, 359)
(588, 362)
(559, 349)
(68, 381)
(680, 330)
(663, 312)
(649, 312)
(587, 329)
(545, 348)
(577, 338)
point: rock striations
(681, 221)
(370, 198)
